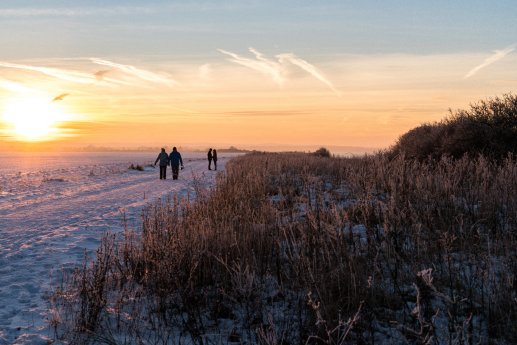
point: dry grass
(296, 248)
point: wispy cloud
(72, 76)
(278, 69)
(205, 71)
(265, 113)
(498, 55)
(99, 75)
(82, 11)
(68, 75)
(309, 68)
(260, 64)
(136, 72)
(74, 12)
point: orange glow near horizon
(33, 119)
(363, 101)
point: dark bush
(322, 152)
(488, 128)
(137, 167)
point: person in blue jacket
(175, 161)
(163, 157)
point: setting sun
(33, 119)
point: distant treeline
(93, 148)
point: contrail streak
(137, 72)
(498, 55)
(76, 77)
(309, 68)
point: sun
(32, 119)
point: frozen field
(56, 206)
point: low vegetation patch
(488, 128)
(53, 179)
(322, 152)
(137, 167)
(297, 248)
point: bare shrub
(322, 152)
(137, 167)
(488, 128)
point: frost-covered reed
(298, 248)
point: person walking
(175, 160)
(163, 157)
(210, 157)
(214, 157)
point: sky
(252, 74)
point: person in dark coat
(210, 157)
(163, 157)
(176, 161)
(214, 157)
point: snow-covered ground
(56, 206)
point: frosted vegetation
(54, 207)
(488, 128)
(291, 246)
(299, 248)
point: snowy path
(48, 218)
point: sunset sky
(252, 74)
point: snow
(54, 207)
